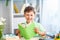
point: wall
(6, 13)
(0, 9)
(51, 15)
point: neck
(28, 22)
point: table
(16, 38)
(12, 37)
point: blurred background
(47, 13)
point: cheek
(31, 17)
(26, 17)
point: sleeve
(40, 27)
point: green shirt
(28, 31)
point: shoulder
(37, 24)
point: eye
(27, 15)
(31, 15)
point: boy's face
(29, 16)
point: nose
(30, 17)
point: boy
(30, 28)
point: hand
(18, 33)
(38, 32)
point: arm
(40, 33)
(18, 33)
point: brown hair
(28, 9)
